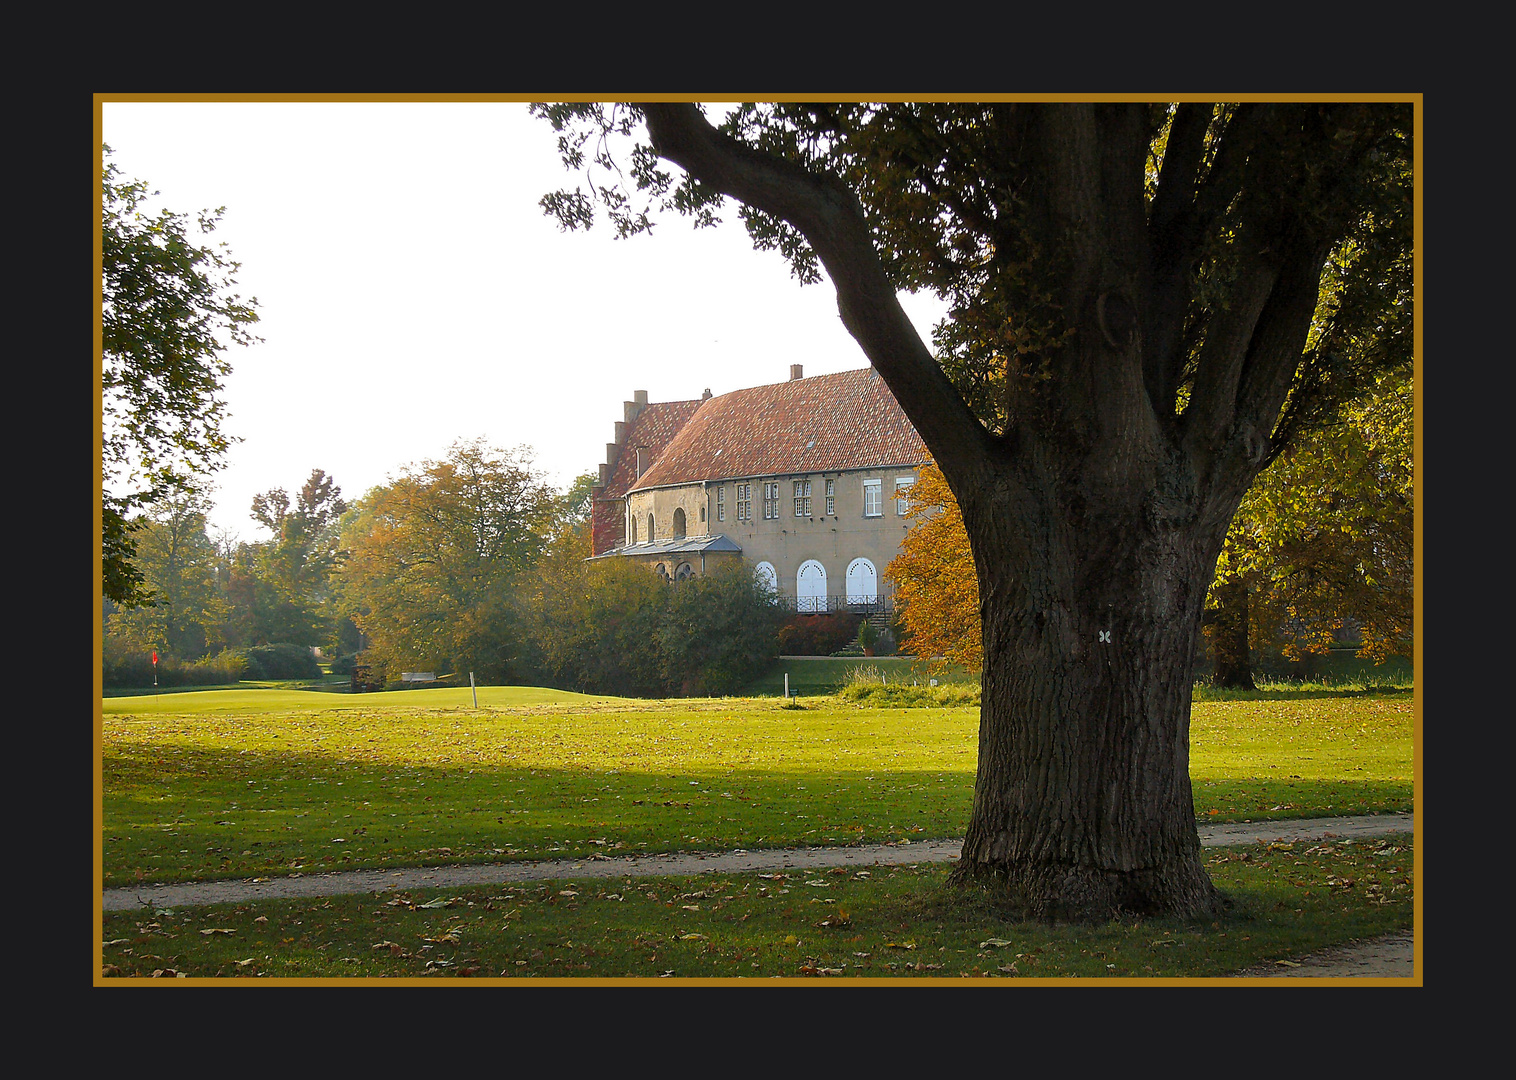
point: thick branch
(829, 217)
(1173, 247)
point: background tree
(935, 585)
(1324, 542)
(1132, 290)
(297, 564)
(168, 315)
(176, 562)
(437, 557)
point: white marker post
(786, 686)
(473, 689)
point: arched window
(810, 586)
(862, 582)
(764, 572)
(684, 572)
(651, 535)
(662, 571)
(634, 528)
(679, 524)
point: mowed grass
(880, 922)
(234, 784)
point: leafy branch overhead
(961, 199)
(169, 313)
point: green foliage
(438, 558)
(283, 660)
(1325, 539)
(717, 632)
(168, 315)
(612, 626)
(176, 563)
(134, 668)
(286, 581)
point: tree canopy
(437, 555)
(169, 313)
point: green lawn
(879, 922)
(230, 784)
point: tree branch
(830, 219)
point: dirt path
(1391, 956)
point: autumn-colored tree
(936, 588)
(1324, 541)
(437, 556)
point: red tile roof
(654, 427)
(848, 420)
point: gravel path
(1390, 956)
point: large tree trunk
(1082, 803)
(1230, 650)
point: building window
(831, 496)
(872, 499)
(902, 502)
(721, 503)
(771, 500)
(802, 498)
(679, 524)
(744, 502)
(634, 529)
(651, 535)
(767, 578)
(684, 572)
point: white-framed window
(744, 502)
(831, 496)
(771, 500)
(721, 503)
(902, 502)
(872, 498)
(802, 498)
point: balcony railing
(818, 605)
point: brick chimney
(796, 372)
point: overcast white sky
(412, 292)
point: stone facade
(800, 479)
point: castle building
(805, 480)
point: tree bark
(1082, 802)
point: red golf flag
(155, 657)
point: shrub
(818, 635)
(281, 661)
(867, 686)
(135, 670)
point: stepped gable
(652, 431)
(827, 423)
(648, 429)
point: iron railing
(817, 605)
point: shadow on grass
(181, 813)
